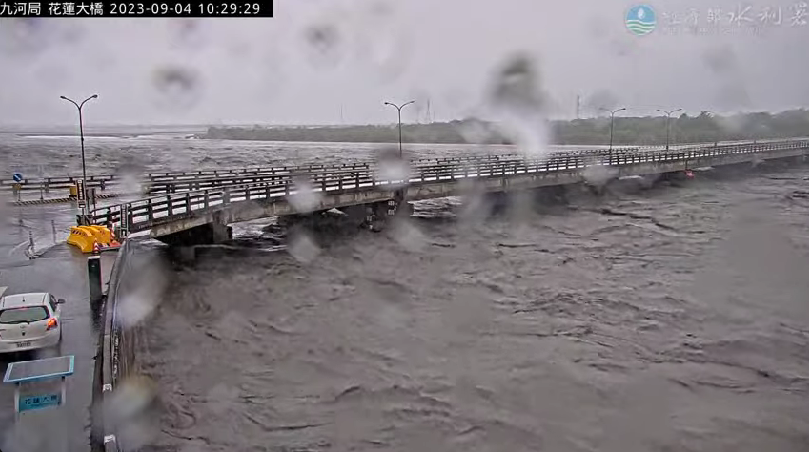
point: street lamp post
(81, 133)
(668, 116)
(612, 125)
(612, 121)
(399, 110)
(716, 137)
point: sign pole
(16, 401)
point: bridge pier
(555, 194)
(206, 234)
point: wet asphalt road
(61, 270)
(671, 320)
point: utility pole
(668, 129)
(399, 110)
(83, 162)
(578, 106)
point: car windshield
(20, 315)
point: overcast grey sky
(315, 56)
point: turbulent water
(675, 319)
(672, 319)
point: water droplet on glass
(144, 291)
(323, 44)
(393, 169)
(24, 37)
(409, 236)
(304, 198)
(387, 51)
(517, 104)
(176, 88)
(599, 175)
(601, 99)
(127, 410)
(188, 33)
(303, 248)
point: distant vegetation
(628, 130)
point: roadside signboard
(17, 177)
(39, 394)
(39, 384)
(80, 193)
(124, 220)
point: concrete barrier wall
(115, 357)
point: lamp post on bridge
(668, 116)
(81, 133)
(715, 114)
(399, 110)
(612, 124)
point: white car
(30, 321)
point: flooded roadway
(674, 319)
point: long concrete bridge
(198, 216)
(177, 181)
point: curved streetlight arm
(94, 96)
(399, 111)
(71, 101)
(612, 112)
(399, 107)
(79, 106)
(669, 112)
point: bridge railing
(147, 212)
(163, 179)
(180, 182)
(315, 177)
(104, 181)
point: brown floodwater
(675, 319)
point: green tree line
(705, 127)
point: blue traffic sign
(39, 401)
(17, 177)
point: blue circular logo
(641, 19)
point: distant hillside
(628, 130)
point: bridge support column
(220, 232)
(206, 234)
(378, 213)
(555, 194)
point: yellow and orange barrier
(86, 237)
